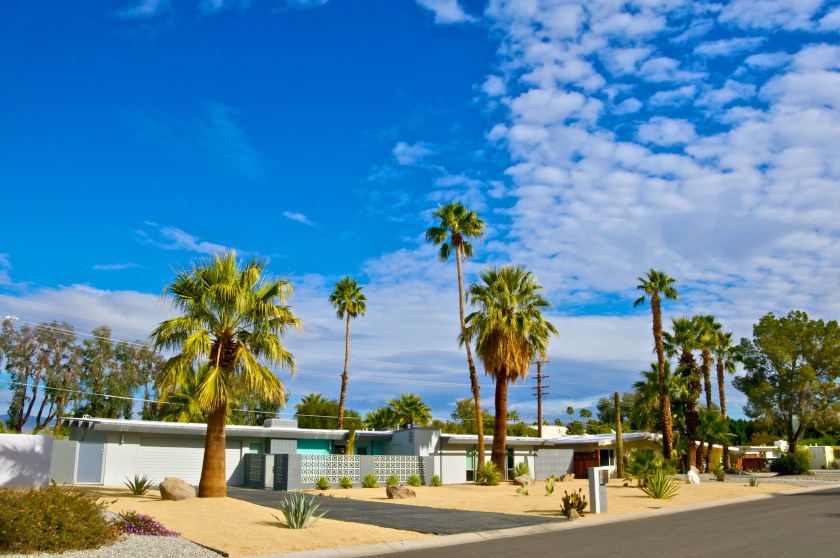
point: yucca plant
(393, 480)
(345, 482)
(644, 462)
(323, 483)
(549, 487)
(521, 469)
(414, 480)
(138, 486)
(370, 481)
(660, 485)
(299, 512)
(488, 474)
(753, 481)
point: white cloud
(145, 9)
(409, 154)
(673, 97)
(494, 86)
(446, 11)
(628, 106)
(728, 47)
(731, 91)
(667, 131)
(665, 69)
(173, 238)
(768, 59)
(298, 218)
(114, 267)
(831, 20)
(771, 14)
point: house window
(471, 460)
(509, 463)
(255, 447)
(607, 457)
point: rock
(173, 488)
(399, 492)
(567, 477)
(573, 514)
(692, 477)
(695, 469)
(522, 479)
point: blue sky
(597, 139)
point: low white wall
(25, 460)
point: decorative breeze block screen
(401, 465)
(334, 467)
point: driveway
(421, 519)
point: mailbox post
(599, 477)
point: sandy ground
(244, 529)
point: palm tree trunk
(213, 483)
(664, 396)
(344, 375)
(476, 389)
(707, 377)
(500, 431)
(722, 395)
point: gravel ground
(135, 546)
(816, 479)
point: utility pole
(539, 393)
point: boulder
(573, 514)
(569, 477)
(692, 478)
(399, 492)
(173, 488)
(522, 479)
(695, 469)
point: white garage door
(182, 458)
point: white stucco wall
(25, 460)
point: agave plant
(660, 485)
(393, 480)
(370, 481)
(138, 486)
(521, 469)
(488, 474)
(299, 512)
(323, 483)
(753, 481)
(436, 481)
(414, 480)
(345, 482)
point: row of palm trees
(703, 334)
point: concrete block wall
(553, 462)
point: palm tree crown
(232, 319)
(457, 224)
(509, 330)
(409, 410)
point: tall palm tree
(409, 410)
(712, 430)
(383, 418)
(232, 319)
(645, 411)
(709, 329)
(682, 340)
(456, 225)
(727, 355)
(509, 331)
(656, 285)
(349, 302)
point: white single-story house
(281, 455)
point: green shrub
(299, 512)
(345, 482)
(660, 485)
(521, 469)
(393, 480)
(573, 501)
(644, 463)
(51, 519)
(323, 483)
(719, 473)
(138, 486)
(414, 480)
(436, 481)
(792, 463)
(370, 481)
(549, 487)
(523, 490)
(753, 481)
(132, 523)
(488, 474)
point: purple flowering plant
(132, 523)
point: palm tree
(656, 285)
(645, 411)
(585, 414)
(381, 419)
(712, 430)
(233, 318)
(409, 410)
(509, 331)
(349, 302)
(456, 225)
(684, 339)
(727, 355)
(709, 329)
(182, 405)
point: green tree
(97, 365)
(726, 355)
(656, 285)
(59, 359)
(409, 410)
(585, 414)
(349, 302)
(464, 416)
(509, 331)
(318, 412)
(792, 365)
(709, 329)
(682, 341)
(644, 414)
(712, 429)
(570, 411)
(456, 225)
(605, 409)
(232, 318)
(575, 428)
(383, 418)
(181, 404)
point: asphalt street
(804, 525)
